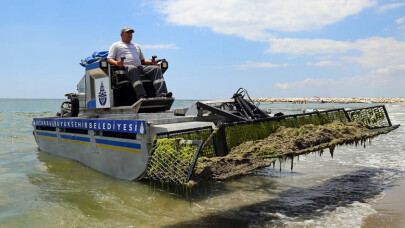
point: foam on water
(351, 216)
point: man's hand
(119, 63)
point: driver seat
(124, 94)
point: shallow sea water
(42, 190)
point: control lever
(153, 58)
(122, 59)
(120, 71)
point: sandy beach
(390, 209)
(333, 100)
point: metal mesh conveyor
(372, 117)
(175, 154)
(239, 132)
(172, 160)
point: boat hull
(125, 159)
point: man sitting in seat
(135, 65)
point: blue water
(42, 190)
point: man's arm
(112, 54)
(147, 62)
(115, 63)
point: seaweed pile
(238, 148)
(284, 142)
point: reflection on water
(94, 195)
(42, 190)
(80, 190)
(303, 203)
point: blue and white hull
(118, 148)
(124, 158)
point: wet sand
(390, 209)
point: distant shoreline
(332, 100)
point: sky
(272, 48)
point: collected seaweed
(250, 145)
(284, 142)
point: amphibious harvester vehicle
(105, 127)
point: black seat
(124, 94)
